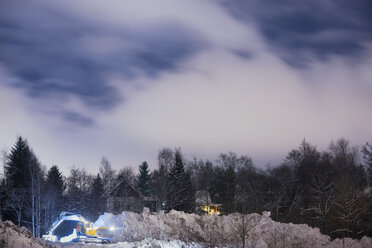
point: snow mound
(262, 231)
(15, 237)
(145, 243)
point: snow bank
(180, 230)
(145, 243)
(262, 232)
(13, 237)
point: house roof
(125, 188)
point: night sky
(85, 78)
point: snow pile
(262, 232)
(13, 237)
(145, 243)
(156, 243)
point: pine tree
(181, 194)
(143, 180)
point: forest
(328, 189)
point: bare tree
(35, 178)
(17, 200)
(107, 174)
(279, 238)
(127, 173)
(324, 196)
(32, 168)
(282, 193)
(166, 158)
(242, 226)
(78, 190)
(349, 208)
(39, 181)
(4, 159)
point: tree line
(328, 189)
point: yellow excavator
(71, 227)
(99, 232)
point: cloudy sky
(85, 78)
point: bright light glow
(112, 228)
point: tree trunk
(32, 198)
(38, 207)
(19, 220)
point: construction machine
(72, 227)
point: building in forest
(205, 204)
(125, 197)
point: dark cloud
(78, 118)
(243, 53)
(56, 54)
(304, 30)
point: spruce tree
(16, 169)
(54, 194)
(23, 178)
(143, 180)
(96, 200)
(55, 180)
(17, 176)
(97, 187)
(181, 194)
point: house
(125, 197)
(205, 204)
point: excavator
(72, 227)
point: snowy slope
(13, 237)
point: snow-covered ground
(262, 231)
(180, 230)
(146, 243)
